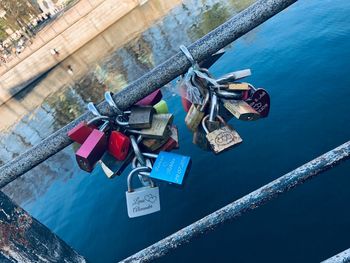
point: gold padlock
(239, 86)
(222, 138)
(241, 110)
(196, 114)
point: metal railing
(237, 26)
(246, 203)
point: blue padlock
(169, 167)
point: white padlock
(144, 200)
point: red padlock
(151, 99)
(81, 132)
(91, 151)
(118, 145)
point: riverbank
(65, 36)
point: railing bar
(243, 205)
(342, 257)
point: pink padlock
(91, 151)
(151, 99)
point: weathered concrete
(246, 203)
(66, 39)
(342, 257)
(84, 59)
(237, 26)
(24, 239)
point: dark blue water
(302, 58)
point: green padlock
(161, 107)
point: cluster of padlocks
(211, 102)
(144, 135)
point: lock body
(91, 151)
(260, 101)
(170, 167)
(151, 99)
(161, 107)
(223, 138)
(152, 145)
(141, 117)
(241, 110)
(238, 86)
(173, 142)
(81, 132)
(142, 201)
(194, 117)
(160, 123)
(118, 145)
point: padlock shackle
(205, 102)
(138, 169)
(234, 76)
(144, 179)
(214, 106)
(93, 120)
(229, 95)
(104, 126)
(111, 102)
(93, 109)
(137, 150)
(207, 117)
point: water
(301, 57)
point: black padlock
(140, 117)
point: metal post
(244, 204)
(220, 37)
(24, 239)
(342, 257)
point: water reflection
(106, 63)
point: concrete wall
(66, 36)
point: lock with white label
(144, 200)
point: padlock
(144, 200)
(241, 110)
(159, 125)
(80, 132)
(140, 117)
(260, 101)
(222, 138)
(161, 107)
(92, 149)
(196, 114)
(234, 76)
(118, 145)
(238, 86)
(154, 144)
(151, 99)
(169, 167)
(173, 141)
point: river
(300, 56)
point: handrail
(342, 257)
(244, 204)
(220, 37)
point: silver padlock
(144, 200)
